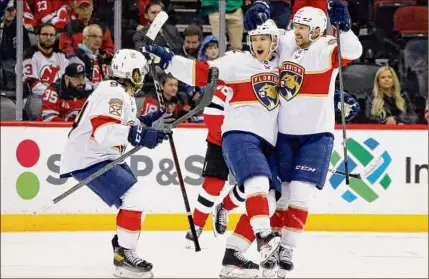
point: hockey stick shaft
(343, 118)
(122, 158)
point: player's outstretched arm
(189, 71)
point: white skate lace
(132, 257)
(241, 257)
(286, 254)
(222, 216)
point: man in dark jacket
(8, 47)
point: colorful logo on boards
(27, 183)
(361, 157)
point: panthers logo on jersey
(291, 80)
(265, 86)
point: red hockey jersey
(54, 108)
(55, 12)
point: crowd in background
(390, 80)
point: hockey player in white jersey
(100, 134)
(249, 130)
(308, 69)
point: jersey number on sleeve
(51, 96)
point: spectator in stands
(426, 111)
(389, 105)
(64, 99)
(8, 47)
(169, 87)
(193, 36)
(233, 17)
(72, 36)
(55, 12)
(88, 54)
(169, 35)
(43, 64)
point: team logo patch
(115, 106)
(265, 87)
(291, 80)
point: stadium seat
(383, 11)
(411, 21)
(7, 109)
(359, 79)
(33, 107)
(415, 67)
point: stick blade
(156, 25)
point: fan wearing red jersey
(64, 99)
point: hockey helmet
(312, 17)
(126, 62)
(267, 28)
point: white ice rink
(89, 254)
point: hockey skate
(270, 267)
(190, 240)
(128, 264)
(220, 219)
(285, 261)
(236, 265)
(267, 245)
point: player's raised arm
(190, 71)
(351, 48)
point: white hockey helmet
(312, 17)
(126, 61)
(267, 28)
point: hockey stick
(367, 171)
(343, 118)
(205, 101)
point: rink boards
(393, 195)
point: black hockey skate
(189, 239)
(236, 265)
(220, 219)
(128, 264)
(267, 245)
(285, 261)
(270, 267)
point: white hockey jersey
(253, 103)
(40, 71)
(100, 132)
(307, 82)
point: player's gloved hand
(147, 137)
(351, 106)
(257, 14)
(151, 117)
(339, 14)
(161, 55)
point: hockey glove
(161, 55)
(151, 117)
(257, 14)
(351, 106)
(339, 14)
(147, 137)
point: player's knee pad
(133, 198)
(283, 202)
(301, 194)
(256, 185)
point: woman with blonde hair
(389, 105)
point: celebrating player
(309, 67)
(101, 132)
(249, 130)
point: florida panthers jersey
(252, 104)
(307, 82)
(214, 114)
(40, 71)
(55, 108)
(100, 132)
